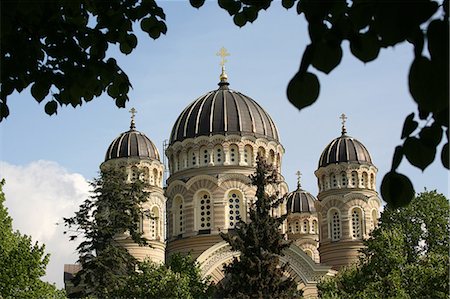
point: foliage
(369, 27)
(406, 256)
(22, 263)
(257, 273)
(60, 48)
(114, 208)
(179, 278)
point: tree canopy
(59, 48)
(256, 273)
(113, 209)
(406, 256)
(22, 262)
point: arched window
(309, 253)
(192, 158)
(334, 225)
(204, 156)
(154, 223)
(323, 183)
(290, 229)
(343, 179)
(155, 177)
(234, 154)
(305, 227)
(218, 155)
(314, 227)
(271, 159)
(204, 211)
(333, 180)
(372, 181)
(354, 179)
(278, 162)
(374, 217)
(235, 208)
(356, 224)
(262, 152)
(248, 155)
(365, 180)
(178, 216)
(297, 227)
(134, 173)
(179, 160)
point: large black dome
(132, 144)
(223, 111)
(344, 149)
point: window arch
(372, 181)
(333, 181)
(218, 155)
(297, 227)
(204, 156)
(204, 212)
(354, 179)
(155, 225)
(155, 177)
(192, 158)
(262, 152)
(134, 173)
(235, 208)
(234, 154)
(178, 216)
(334, 225)
(309, 253)
(323, 182)
(356, 226)
(314, 227)
(344, 179)
(248, 155)
(271, 158)
(365, 180)
(305, 227)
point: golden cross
(223, 53)
(299, 175)
(133, 114)
(344, 118)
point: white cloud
(38, 196)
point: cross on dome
(299, 176)
(133, 114)
(343, 117)
(223, 53)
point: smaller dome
(300, 201)
(132, 144)
(344, 149)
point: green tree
(369, 27)
(406, 256)
(179, 278)
(114, 208)
(22, 263)
(59, 48)
(256, 273)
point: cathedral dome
(132, 144)
(300, 201)
(344, 149)
(223, 111)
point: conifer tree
(257, 272)
(114, 208)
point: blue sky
(168, 74)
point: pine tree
(114, 208)
(257, 273)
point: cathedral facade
(211, 153)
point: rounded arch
(234, 154)
(203, 220)
(334, 225)
(235, 207)
(248, 155)
(178, 214)
(356, 214)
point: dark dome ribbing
(132, 144)
(344, 149)
(300, 201)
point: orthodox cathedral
(211, 152)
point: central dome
(223, 111)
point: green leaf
(40, 90)
(396, 189)
(240, 19)
(197, 3)
(438, 39)
(397, 159)
(445, 155)
(365, 47)
(287, 3)
(51, 107)
(303, 90)
(125, 48)
(113, 90)
(409, 126)
(418, 153)
(326, 56)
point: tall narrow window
(154, 223)
(354, 179)
(374, 218)
(335, 226)
(305, 227)
(297, 227)
(234, 154)
(372, 181)
(356, 224)
(204, 211)
(343, 179)
(218, 155)
(204, 156)
(333, 180)
(134, 173)
(365, 180)
(261, 152)
(248, 155)
(234, 208)
(271, 159)
(178, 215)
(314, 227)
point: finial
(133, 114)
(344, 118)
(299, 176)
(223, 53)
